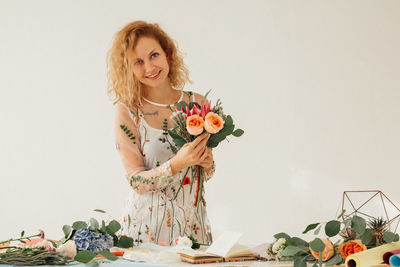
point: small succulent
(378, 224)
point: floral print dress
(160, 206)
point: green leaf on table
(388, 237)
(67, 230)
(317, 245)
(295, 241)
(315, 265)
(316, 232)
(84, 256)
(125, 242)
(341, 214)
(396, 238)
(358, 224)
(335, 260)
(99, 210)
(22, 233)
(282, 235)
(367, 236)
(290, 251)
(310, 227)
(299, 262)
(238, 132)
(114, 226)
(332, 228)
(93, 222)
(108, 255)
(79, 225)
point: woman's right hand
(190, 154)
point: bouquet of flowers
(192, 119)
(357, 235)
(82, 242)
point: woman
(146, 76)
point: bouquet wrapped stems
(199, 186)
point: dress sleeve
(127, 141)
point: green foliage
(300, 261)
(367, 236)
(114, 226)
(67, 230)
(94, 223)
(389, 237)
(125, 242)
(196, 244)
(108, 255)
(317, 245)
(341, 214)
(332, 228)
(296, 241)
(282, 235)
(84, 256)
(358, 224)
(291, 251)
(310, 227)
(111, 228)
(78, 225)
(335, 260)
(99, 210)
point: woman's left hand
(208, 162)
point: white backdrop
(314, 84)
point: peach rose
(195, 124)
(69, 249)
(213, 123)
(351, 247)
(327, 253)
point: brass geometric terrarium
(374, 206)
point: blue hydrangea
(93, 240)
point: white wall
(314, 84)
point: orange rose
(213, 123)
(351, 247)
(194, 124)
(327, 253)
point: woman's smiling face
(150, 62)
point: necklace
(163, 105)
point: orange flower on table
(213, 123)
(195, 124)
(327, 253)
(351, 247)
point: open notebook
(223, 249)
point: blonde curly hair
(122, 84)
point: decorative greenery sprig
(32, 256)
(110, 228)
(352, 228)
